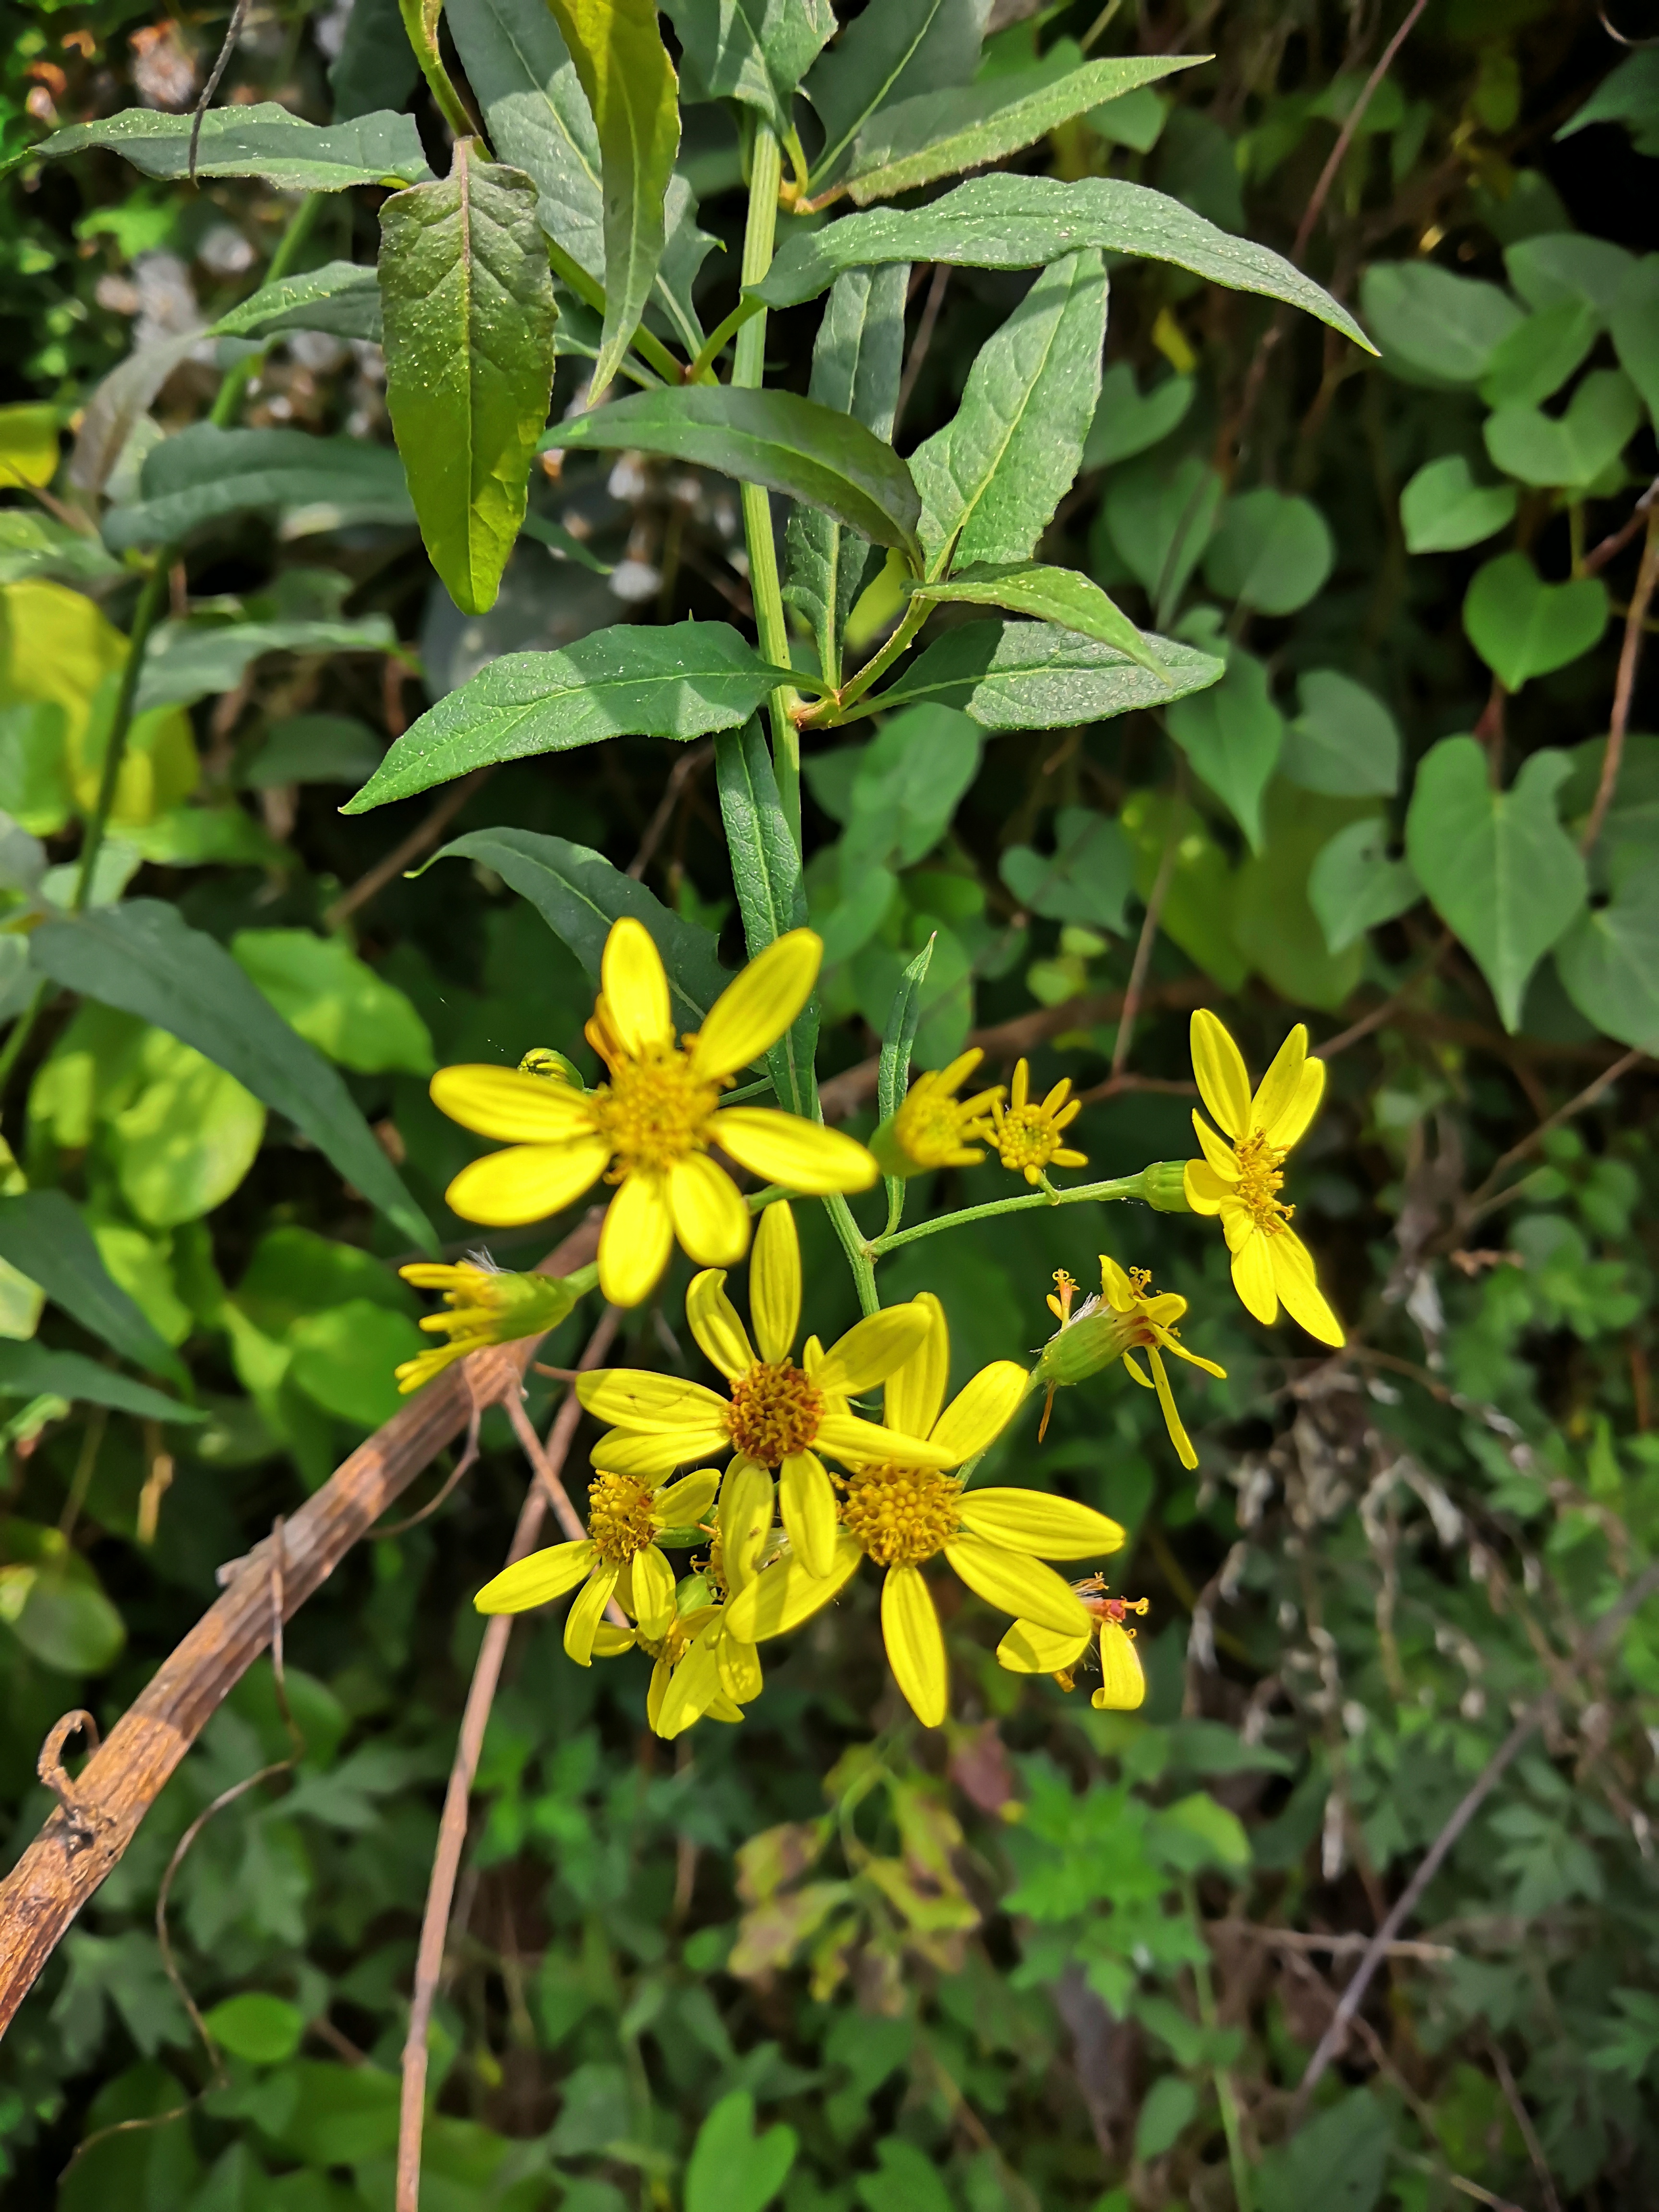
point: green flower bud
(1164, 1186)
(1085, 1345)
(542, 1060)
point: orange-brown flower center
(1259, 1180)
(653, 1111)
(775, 1411)
(620, 1521)
(900, 1516)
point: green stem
(858, 1251)
(421, 22)
(875, 668)
(589, 289)
(21, 1030)
(1225, 2096)
(1118, 1187)
(236, 380)
(748, 373)
(702, 370)
(143, 620)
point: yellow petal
(1222, 1082)
(775, 1282)
(636, 1239)
(1217, 1152)
(717, 1325)
(534, 1580)
(1296, 1284)
(845, 1437)
(981, 1410)
(1172, 1421)
(635, 987)
(1123, 1683)
(915, 1643)
(808, 1505)
(610, 1641)
(1028, 1649)
(653, 1592)
(745, 1518)
(499, 1101)
(1165, 1309)
(692, 1687)
(1204, 1189)
(1132, 1368)
(781, 1597)
(710, 1218)
(740, 1669)
(1023, 1587)
(1115, 1287)
(1239, 1223)
(722, 1708)
(1252, 1279)
(1292, 1123)
(581, 1622)
(1047, 1527)
(650, 1458)
(526, 1182)
(915, 1391)
(1192, 1360)
(685, 1504)
(758, 1005)
(872, 1349)
(654, 1405)
(661, 1674)
(1279, 1087)
(800, 1155)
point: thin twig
(1345, 137)
(1523, 2121)
(1143, 943)
(411, 848)
(1334, 1947)
(1630, 655)
(546, 1490)
(1488, 1196)
(1378, 1015)
(1611, 546)
(238, 17)
(688, 765)
(924, 339)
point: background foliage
(1034, 1959)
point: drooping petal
(1224, 1082)
(1204, 1189)
(874, 1348)
(757, 1005)
(800, 1155)
(650, 1458)
(500, 1102)
(693, 1685)
(1172, 1421)
(740, 1668)
(1217, 1152)
(610, 1641)
(1123, 1683)
(808, 1505)
(845, 1437)
(534, 1580)
(685, 1504)
(1279, 1087)
(655, 1405)
(1252, 1279)
(581, 1622)
(1192, 1359)
(1296, 1284)
(1015, 1584)
(1115, 1286)
(528, 1183)
(636, 988)
(775, 1282)
(636, 1239)
(1029, 1649)
(1132, 1368)
(981, 1410)
(661, 1674)
(653, 1592)
(745, 1517)
(1292, 1123)
(717, 1325)
(710, 1218)
(1033, 1521)
(916, 1390)
(781, 1597)
(915, 1643)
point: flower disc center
(775, 1411)
(1259, 1180)
(620, 1521)
(1027, 1138)
(900, 1516)
(654, 1110)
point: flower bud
(542, 1060)
(486, 1307)
(1085, 1345)
(1163, 1187)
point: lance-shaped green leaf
(187, 661)
(939, 134)
(887, 54)
(34, 1371)
(205, 473)
(263, 141)
(579, 894)
(537, 114)
(1029, 675)
(43, 1235)
(991, 480)
(144, 958)
(636, 680)
(857, 360)
(772, 438)
(766, 872)
(1023, 222)
(342, 298)
(469, 312)
(1049, 595)
(634, 97)
(754, 51)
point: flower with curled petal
(1126, 1318)
(648, 1129)
(934, 1128)
(486, 1306)
(1030, 1649)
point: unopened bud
(1087, 1344)
(1164, 1186)
(542, 1060)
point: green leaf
(1025, 222)
(341, 297)
(788, 444)
(939, 133)
(264, 141)
(579, 895)
(30, 1370)
(766, 873)
(905, 2180)
(1344, 742)
(204, 474)
(192, 660)
(264, 2030)
(51, 1601)
(1272, 550)
(37, 545)
(899, 1036)
(375, 66)
(1630, 95)
(1435, 327)
(564, 545)
(1128, 422)
(733, 2169)
(1199, 902)
(1522, 628)
(1159, 520)
(633, 95)
(1165, 2112)
(42, 1234)
(907, 785)
(754, 51)
(538, 116)
(1355, 885)
(1232, 735)
(344, 1359)
(35, 774)
(679, 680)
(1060, 596)
(857, 357)
(1608, 961)
(1443, 509)
(1221, 1831)
(1538, 356)
(1570, 450)
(469, 313)
(188, 1139)
(1029, 675)
(1555, 267)
(885, 55)
(1500, 869)
(145, 959)
(1087, 879)
(336, 1001)
(991, 480)
(1634, 324)
(1336, 2163)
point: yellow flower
(1028, 1137)
(934, 1128)
(1240, 1176)
(900, 1511)
(486, 1307)
(619, 1555)
(1030, 1649)
(648, 1129)
(777, 1416)
(1124, 1319)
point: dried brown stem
(1523, 2121)
(1345, 137)
(423, 834)
(1614, 543)
(1489, 1196)
(924, 338)
(1630, 656)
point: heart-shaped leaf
(1522, 627)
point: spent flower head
(934, 1128)
(487, 1305)
(1126, 1317)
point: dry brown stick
(1523, 2121)
(1379, 1014)
(76, 1849)
(1143, 943)
(545, 1490)
(1489, 1197)
(924, 339)
(1345, 137)
(1630, 655)
(1615, 542)
(687, 766)
(424, 834)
